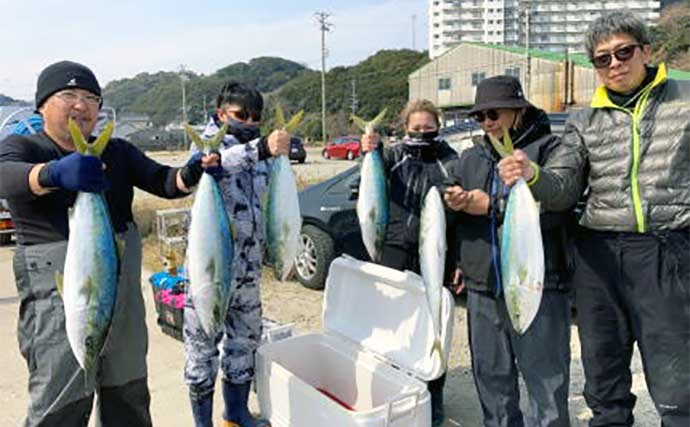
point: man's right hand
(76, 172)
(370, 141)
(279, 143)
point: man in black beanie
(40, 176)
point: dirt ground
(292, 303)
(283, 302)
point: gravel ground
(291, 303)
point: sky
(121, 38)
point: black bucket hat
(65, 75)
(499, 92)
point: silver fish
(372, 200)
(281, 208)
(89, 284)
(522, 251)
(432, 258)
(209, 247)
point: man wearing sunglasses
(40, 175)
(541, 355)
(243, 180)
(632, 275)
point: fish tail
(83, 147)
(437, 347)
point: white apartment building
(552, 24)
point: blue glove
(77, 172)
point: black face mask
(429, 136)
(242, 131)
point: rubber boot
(436, 391)
(202, 410)
(237, 413)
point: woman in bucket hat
(542, 353)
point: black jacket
(476, 169)
(411, 171)
(45, 219)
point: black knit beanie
(65, 75)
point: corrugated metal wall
(547, 87)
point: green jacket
(636, 162)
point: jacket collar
(601, 97)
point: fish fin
(498, 146)
(60, 283)
(377, 120)
(120, 246)
(359, 122)
(77, 137)
(295, 122)
(98, 146)
(437, 347)
(195, 137)
(280, 117)
(211, 266)
(507, 141)
(214, 142)
(370, 126)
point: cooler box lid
(386, 312)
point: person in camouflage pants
(243, 179)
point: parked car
(297, 151)
(330, 228)
(6, 223)
(344, 147)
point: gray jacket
(636, 162)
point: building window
(477, 77)
(436, 25)
(444, 83)
(513, 71)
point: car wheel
(314, 257)
(324, 153)
(350, 155)
(5, 239)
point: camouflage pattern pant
(242, 333)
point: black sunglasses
(244, 115)
(622, 54)
(480, 116)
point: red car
(344, 147)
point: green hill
(380, 81)
(160, 95)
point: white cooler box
(370, 365)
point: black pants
(634, 288)
(541, 355)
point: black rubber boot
(236, 410)
(202, 410)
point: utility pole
(324, 26)
(414, 41)
(205, 111)
(184, 78)
(355, 101)
(528, 71)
